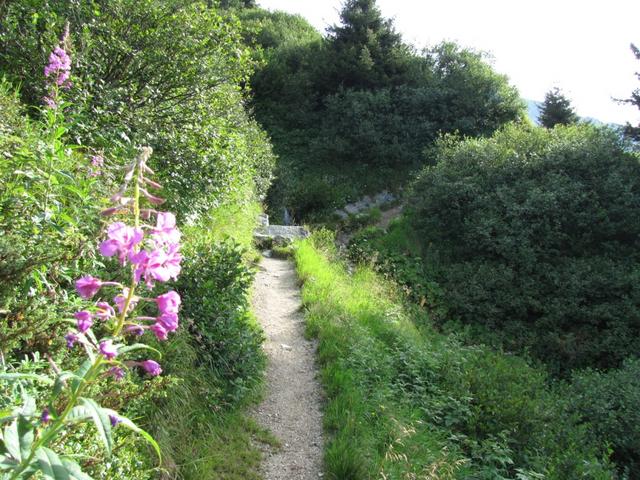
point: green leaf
(101, 421)
(59, 132)
(74, 469)
(14, 377)
(29, 406)
(61, 381)
(50, 464)
(25, 436)
(78, 414)
(80, 374)
(6, 413)
(137, 346)
(125, 422)
(7, 462)
(12, 440)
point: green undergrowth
(404, 401)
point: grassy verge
(403, 400)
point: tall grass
(407, 402)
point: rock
(266, 253)
(384, 197)
(278, 235)
(263, 220)
(351, 209)
(366, 203)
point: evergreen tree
(630, 131)
(366, 51)
(556, 109)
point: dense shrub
(173, 75)
(608, 403)
(534, 234)
(161, 73)
(362, 100)
(46, 186)
(214, 288)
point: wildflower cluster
(149, 254)
(58, 71)
(153, 253)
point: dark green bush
(214, 286)
(48, 211)
(608, 402)
(534, 234)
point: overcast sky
(580, 46)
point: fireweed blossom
(122, 240)
(84, 321)
(153, 252)
(151, 367)
(97, 162)
(57, 72)
(104, 311)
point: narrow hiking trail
(291, 409)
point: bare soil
(291, 409)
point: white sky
(580, 46)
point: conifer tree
(556, 109)
(630, 131)
(367, 50)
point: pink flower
(114, 419)
(84, 320)
(97, 161)
(166, 232)
(122, 240)
(157, 265)
(71, 339)
(108, 349)
(46, 415)
(137, 330)
(169, 321)
(88, 286)
(160, 332)
(151, 367)
(60, 67)
(50, 102)
(105, 311)
(168, 302)
(121, 299)
(116, 372)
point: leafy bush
(214, 287)
(608, 403)
(127, 92)
(48, 206)
(533, 234)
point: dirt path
(291, 409)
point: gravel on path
(291, 409)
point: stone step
(278, 235)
